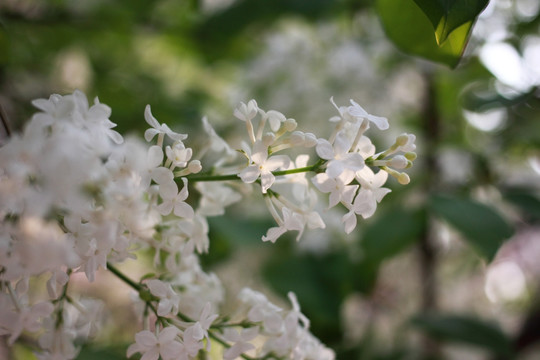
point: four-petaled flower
(262, 165)
(338, 156)
(152, 346)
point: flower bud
(410, 156)
(311, 140)
(290, 124)
(398, 162)
(297, 138)
(402, 139)
(268, 139)
(194, 166)
(403, 179)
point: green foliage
(480, 224)
(106, 353)
(465, 329)
(448, 15)
(526, 201)
(392, 233)
(411, 31)
(320, 283)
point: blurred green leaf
(480, 224)
(228, 225)
(411, 31)
(225, 237)
(105, 353)
(448, 15)
(221, 33)
(320, 283)
(482, 97)
(392, 233)
(465, 329)
(526, 201)
(4, 45)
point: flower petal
(324, 149)
(250, 174)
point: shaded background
(446, 269)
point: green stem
(198, 178)
(123, 277)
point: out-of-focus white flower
(159, 129)
(15, 321)
(215, 197)
(261, 310)
(291, 221)
(241, 341)
(177, 204)
(165, 344)
(246, 112)
(356, 113)
(168, 298)
(199, 331)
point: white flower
(406, 142)
(240, 340)
(291, 221)
(152, 346)
(373, 183)
(355, 112)
(369, 195)
(168, 299)
(275, 119)
(262, 166)
(215, 197)
(261, 310)
(26, 318)
(338, 156)
(158, 128)
(177, 204)
(246, 112)
(216, 142)
(338, 187)
(199, 330)
(178, 154)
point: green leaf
(480, 97)
(465, 329)
(527, 201)
(105, 353)
(480, 224)
(411, 31)
(320, 282)
(4, 45)
(448, 15)
(392, 233)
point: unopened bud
(297, 138)
(410, 156)
(398, 162)
(311, 140)
(268, 139)
(194, 166)
(290, 124)
(402, 139)
(403, 179)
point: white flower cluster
(75, 197)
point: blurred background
(447, 268)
